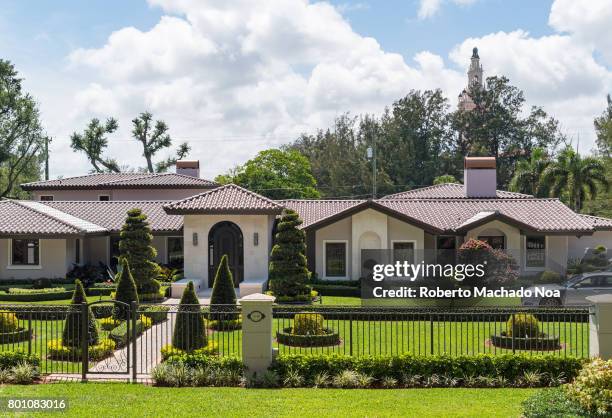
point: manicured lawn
(116, 399)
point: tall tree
(93, 143)
(528, 173)
(574, 178)
(603, 129)
(277, 174)
(154, 137)
(21, 134)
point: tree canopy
(93, 142)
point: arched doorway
(225, 238)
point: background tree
(135, 247)
(71, 336)
(574, 178)
(603, 129)
(445, 178)
(21, 134)
(126, 292)
(528, 173)
(288, 272)
(189, 330)
(154, 137)
(277, 174)
(93, 142)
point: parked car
(574, 291)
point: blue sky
(251, 77)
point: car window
(588, 282)
(605, 281)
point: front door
(225, 238)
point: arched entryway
(225, 238)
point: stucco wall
(96, 250)
(369, 232)
(120, 194)
(340, 230)
(402, 231)
(577, 246)
(556, 253)
(52, 261)
(255, 257)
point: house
(44, 237)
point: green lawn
(118, 400)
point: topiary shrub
(288, 272)
(223, 293)
(523, 326)
(549, 276)
(308, 324)
(126, 292)
(592, 388)
(599, 249)
(189, 330)
(8, 322)
(135, 246)
(72, 334)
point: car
(573, 292)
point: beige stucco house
(197, 221)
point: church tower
(475, 80)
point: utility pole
(371, 154)
(46, 158)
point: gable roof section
(33, 218)
(104, 181)
(597, 222)
(448, 191)
(229, 199)
(111, 214)
(314, 211)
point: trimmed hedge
(337, 290)
(168, 351)
(35, 296)
(22, 334)
(10, 359)
(156, 313)
(327, 338)
(200, 361)
(507, 366)
(120, 334)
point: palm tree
(574, 177)
(528, 173)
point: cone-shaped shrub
(135, 246)
(189, 330)
(71, 336)
(126, 292)
(223, 293)
(288, 272)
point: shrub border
(295, 340)
(521, 343)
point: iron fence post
(513, 333)
(134, 309)
(84, 341)
(351, 333)
(31, 333)
(431, 335)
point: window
(403, 251)
(175, 251)
(25, 252)
(495, 241)
(535, 251)
(46, 198)
(335, 259)
(103, 198)
(77, 251)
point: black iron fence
(133, 339)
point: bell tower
(475, 80)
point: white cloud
(429, 8)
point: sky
(238, 76)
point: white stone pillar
(600, 326)
(257, 332)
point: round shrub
(523, 326)
(308, 324)
(8, 322)
(599, 249)
(156, 313)
(592, 388)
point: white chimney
(480, 177)
(188, 168)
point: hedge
(508, 366)
(9, 359)
(337, 290)
(196, 360)
(35, 296)
(21, 334)
(120, 334)
(156, 313)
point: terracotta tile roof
(312, 211)
(81, 224)
(111, 215)
(597, 222)
(448, 191)
(17, 218)
(225, 199)
(123, 181)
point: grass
(120, 399)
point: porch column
(257, 332)
(600, 326)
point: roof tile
(448, 191)
(122, 181)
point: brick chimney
(480, 177)
(188, 168)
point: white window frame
(413, 241)
(167, 258)
(546, 256)
(346, 252)
(104, 195)
(46, 195)
(11, 266)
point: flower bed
(327, 338)
(211, 349)
(56, 350)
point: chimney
(188, 168)
(480, 177)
